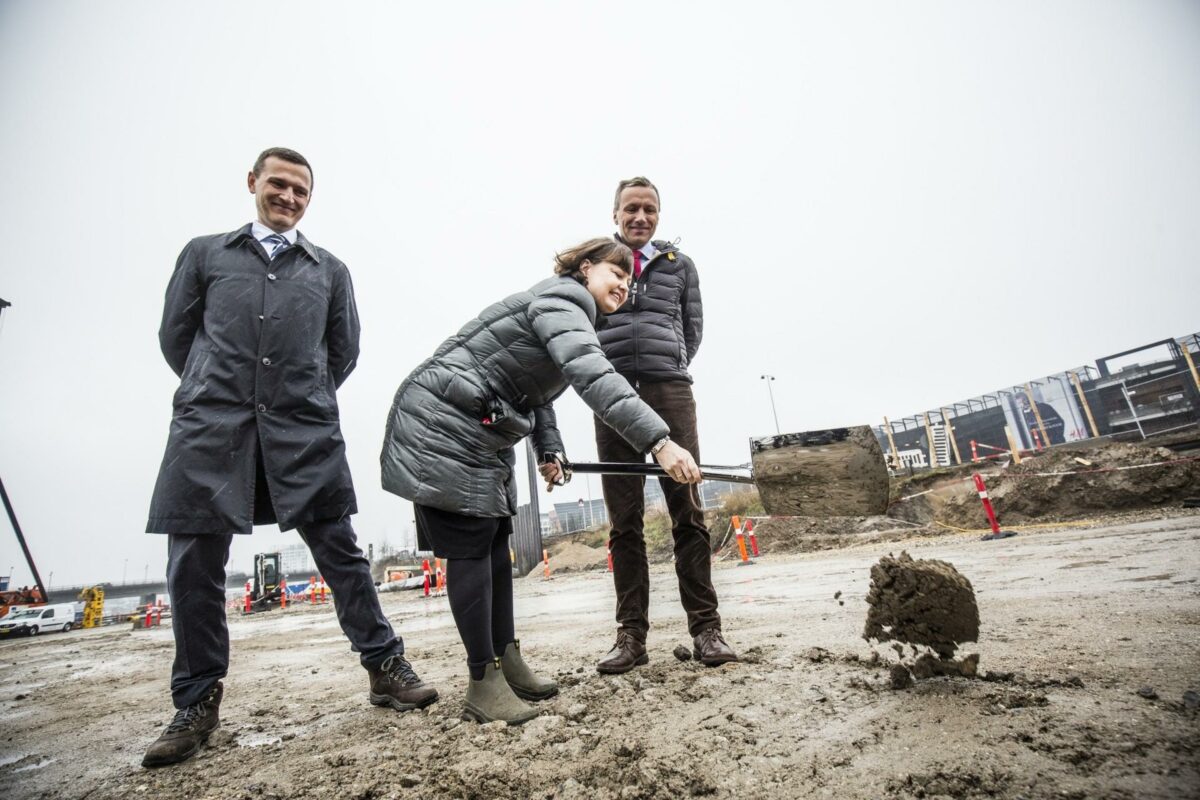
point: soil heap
(921, 602)
(1073, 483)
(573, 557)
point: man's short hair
(282, 153)
(638, 181)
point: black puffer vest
(656, 334)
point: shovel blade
(836, 472)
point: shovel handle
(709, 472)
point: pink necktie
(637, 264)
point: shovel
(710, 472)
(834, 472)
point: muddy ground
(1089, 663)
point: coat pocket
(501, 417)
(191, 383)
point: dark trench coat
(260, 347)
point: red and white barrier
(753, 539)
(991, 512)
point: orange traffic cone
(741, 543)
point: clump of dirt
(1056, 485)
(927, 665)
(921, 602)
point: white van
(38, 619)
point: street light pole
(12, 514)
(769, 379)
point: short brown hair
(569, 261)
(285, 154)
(638, 181)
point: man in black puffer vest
(650, 341)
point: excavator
(266, 585)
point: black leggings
(481, 598)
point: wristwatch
(659, 445)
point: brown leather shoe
(626, 654)
(187, 733)
(711, 649)
(395, 684)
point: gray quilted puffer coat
(656, 334)
(515, 358)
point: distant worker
(261, 326)
(449, 449)
(650, 341)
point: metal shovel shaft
(710, 472)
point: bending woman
(450, 438)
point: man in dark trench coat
(261, 327)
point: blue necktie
(275, 244)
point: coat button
(261, 407)
(266, 362)
(270, 276)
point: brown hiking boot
(395, 684)
(187, 733)
(626, 654)
(711, 649)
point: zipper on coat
(636, 349)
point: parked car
(38, 619)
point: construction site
(960, 612)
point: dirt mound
(1057, 485)
(808, 534)
(921, 602)
(572, 557)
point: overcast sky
(891, 206)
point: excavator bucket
(838, 472)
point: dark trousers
(196, 583)
(625, 499)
